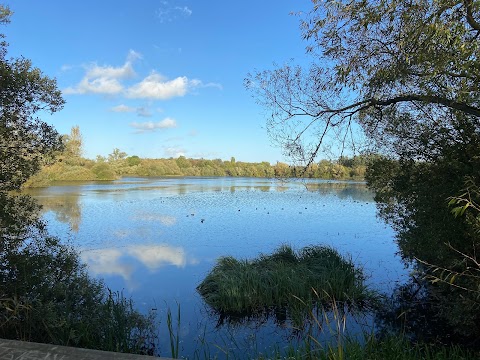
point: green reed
(314, 274)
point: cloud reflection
(166, 220)
(124, 261)
(156, 256)
(107, 262)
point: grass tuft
(315, 274)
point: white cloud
(110, 80)
(183, 10)
(174, 152)
(143, 112)
(214, 85)
(156, 86)
(100, 85)
(66, 67)
(123, 108)
(105, 79)
(168, 13)
(151, 126)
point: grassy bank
(81, 169)
(391, 348)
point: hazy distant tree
(73, 143)
(282, 170)
(133, 160)
(117, 155)
(183, 162)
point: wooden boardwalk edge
(22, 350)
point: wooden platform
(21, 350)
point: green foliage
(317, 275)
(26, 142)
(133, 160)
(103, 171)
(46, 294)
(414, 197)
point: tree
(46, 293)
(26, 141)
(405, 75)
(73, 143)
(398, 69)
(117, 155)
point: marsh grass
(274, 283)
(47, 296)
(328, 339)
(393, 348)
(174, 335)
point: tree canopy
(26, 141)
(398, 68)
(404, 75)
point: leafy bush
(47, 296)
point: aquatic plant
(276, 282)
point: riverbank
(81, 169)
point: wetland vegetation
(418, 105)
(286, 283)
(71, 166)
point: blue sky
(160, 78)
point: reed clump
(315, 274)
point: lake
(155, 239)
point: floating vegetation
(285, 283)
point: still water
(156, 239)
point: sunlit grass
(314, 274)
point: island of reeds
(284, 282)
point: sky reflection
(126, 261)
(156, 239)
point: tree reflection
(66, 207)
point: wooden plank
(22, 350)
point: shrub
(47, 296)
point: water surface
(156, 239)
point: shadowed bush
(47, 296)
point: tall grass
(174, 335)
(315, 274)
(47, 296)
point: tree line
(72, 166)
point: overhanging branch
(368, 103)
